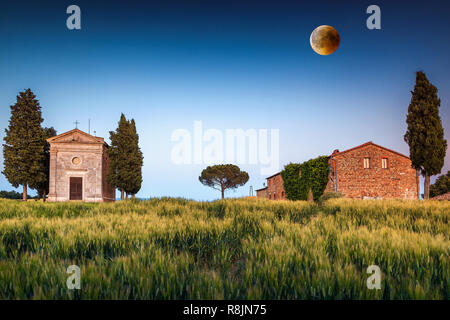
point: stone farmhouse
(78, 168)
(366, 171)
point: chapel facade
(78, 168)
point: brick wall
(275, 187)
(261, 193)
(398, 180)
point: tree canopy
(10, 195)
(134, 161)
(23, 150)
(425, 134)
(126, 159)
(223, 177)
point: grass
(233, 249)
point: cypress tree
(43, 187)
(118, 153)
(425, 134)
(125, 170)
(23, 150)
(135, 161)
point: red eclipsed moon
(325, 40)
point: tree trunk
(121, 194)
(418, 184)
(310, 196)
(223, 193)
(24, 195)
(126, 195)
(44, 195)
(426, 187)
(133, 196)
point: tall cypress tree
(43, 187)
(125, 169)
(23, 150)
(118, 153)
(135, 161)
(425, 134)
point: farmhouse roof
(370, 143)
(275, 174)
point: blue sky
(229, 64)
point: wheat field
(232, 249)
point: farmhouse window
(366, 163)
(385, 163)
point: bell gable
(76, 136)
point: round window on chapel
(76, 161)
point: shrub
(10, 195)
(298, 179)
(441, 186)
(329, 195)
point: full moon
(324, 40)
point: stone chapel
(78, 168)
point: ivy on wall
(299, 178)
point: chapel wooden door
(76, 188)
